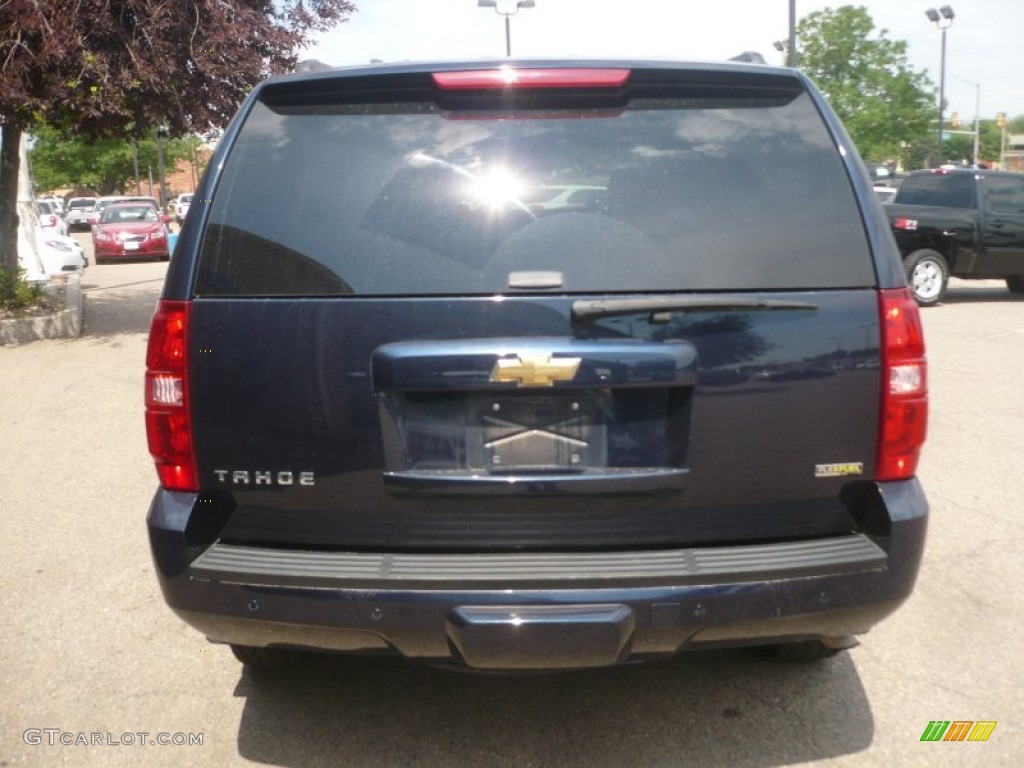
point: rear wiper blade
(661, 306)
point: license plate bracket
(524, 433)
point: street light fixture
(943, 19)
(497, 5)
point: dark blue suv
(395, 404)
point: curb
(66, 324)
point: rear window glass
(123, 213)
(943, 190)
(666, 195)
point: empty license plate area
(536, 433)
(520, 433)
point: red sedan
(130, 231)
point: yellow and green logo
(958, 730)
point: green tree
(106, 166)
(104, 70)
(886, 106)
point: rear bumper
(540, 611)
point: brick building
(185, 175)
(1013, 158)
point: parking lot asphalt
(89, 647)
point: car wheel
(262, 659)
(1015, 284)
(804, 652)
(928, 275)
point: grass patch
(20, 298)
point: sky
(984, 45)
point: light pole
(160, 134)
(977, 122)
(791, 42)
(787, 47)
(497, 5)
(135, 160)
(1001, 123)
(943, 19)
(977, 115)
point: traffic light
(1001, 119)
(954, 120)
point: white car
(49, 217)
(61, 254)
(181, 207)
(50, 254)
(56, 202)
(80, 209)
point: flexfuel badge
(839, 470)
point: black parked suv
(394, 407)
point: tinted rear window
(943, 190)
(665, 195)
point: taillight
(904, 417)
(168, 421)
(509, 77)
(53, 220)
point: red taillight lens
(509, 77)
(904, 418)
(168, 421)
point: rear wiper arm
(660, 307)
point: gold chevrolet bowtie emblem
(535, 370)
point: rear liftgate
(543, 417)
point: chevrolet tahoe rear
(395, 407)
